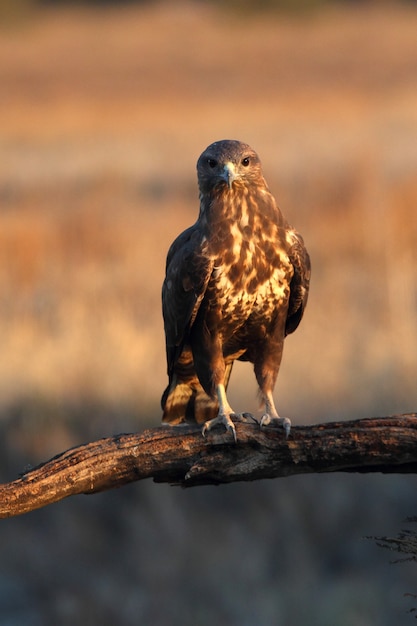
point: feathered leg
(214, 375)
(266, 371)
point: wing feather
(188, 270)
(300, 282)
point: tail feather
(187, 402)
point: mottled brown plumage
(236, 284)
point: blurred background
(104, 109)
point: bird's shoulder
(188, 257)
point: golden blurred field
(103, 115)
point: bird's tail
(186, 401)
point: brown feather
(236, 283)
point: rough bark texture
(180, 455)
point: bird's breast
(250, 280)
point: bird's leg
(271, 417)
(266, 372)
(223, 417)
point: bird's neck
(244, 207)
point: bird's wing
(300, 281)
(188, 270)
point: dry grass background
(103, 115)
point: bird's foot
(276, 422)
(225, 419)
(222, 419)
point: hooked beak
(229, 173)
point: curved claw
(282, 422)
(224, 420)
(246, 417)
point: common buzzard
(236, 284)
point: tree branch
(180, 455)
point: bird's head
(228, 164)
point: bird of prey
(236, 284)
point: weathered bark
(180, 455)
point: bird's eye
(245, 161)
(212, 163)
